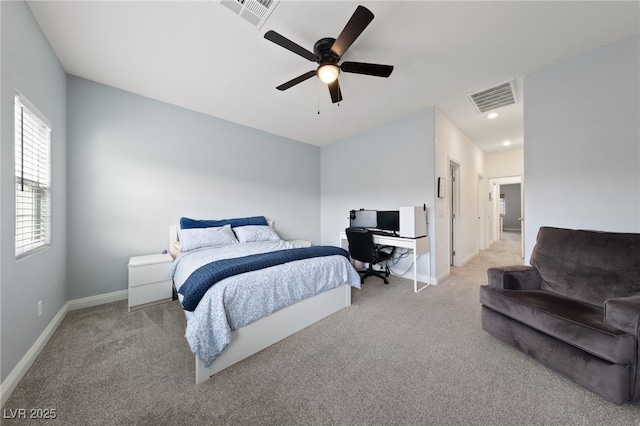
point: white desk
(417, 245)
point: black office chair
(362, 248)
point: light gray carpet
(393, 357)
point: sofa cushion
(574, 322)
(589, 265)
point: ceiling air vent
(495, 97)
(254, 11)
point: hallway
(501, 253)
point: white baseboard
(9, 384)
(470, 258)
(446, 274)
(423, 279)
(87, 302)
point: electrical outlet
(39, 308)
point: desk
(418, 245)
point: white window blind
(33, 160)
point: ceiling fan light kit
(328, 73)
(328, 51)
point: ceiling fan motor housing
(322, 49)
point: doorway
(506, 209)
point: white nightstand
(149, 280)
(300, 243)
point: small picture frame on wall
(442, 187)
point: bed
(243, 313)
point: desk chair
(362, 248)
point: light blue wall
(582, 142)
(380, 169)
(137, 165)
(30, 67)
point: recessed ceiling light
(506, 143)
(492, 115)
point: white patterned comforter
(238, 301)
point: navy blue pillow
(186, 223)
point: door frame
(481, 214)
(455, 230)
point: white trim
(32, 171)
(26, 102)
(101, 299)
(425, 279)
(9, 384)
(446, 274)
(470, 258)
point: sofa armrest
(517, 277)
(623, 313)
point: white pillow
(195, 238)
(250, 233)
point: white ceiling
(201, 56)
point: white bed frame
(264, 332)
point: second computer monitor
(389, 220)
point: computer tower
(413, 222)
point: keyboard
(383, 233)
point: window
(33, 201)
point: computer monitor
(389, 220)
(363, 218)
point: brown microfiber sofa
(576, 309)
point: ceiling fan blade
(281, 40)
(368, 69)
(334, 90)
(296, 80)
(358, 22)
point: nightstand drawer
(148, 293)
(141, 275)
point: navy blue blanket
(207, 275)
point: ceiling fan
(327, 53)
